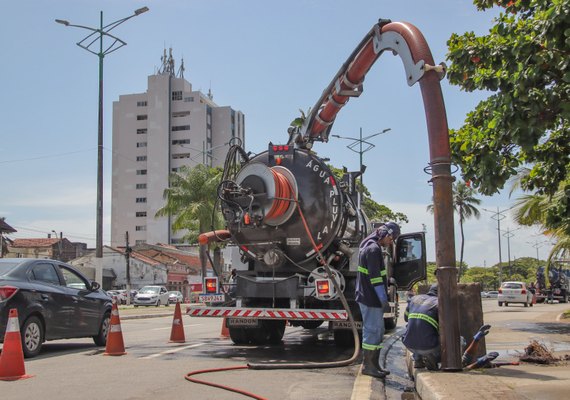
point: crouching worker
(422, 333)
(371, 295)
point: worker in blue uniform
(422, 332)
(372, 296)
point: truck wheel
(344, 338)
(276, 331)
(390, 323)
(238, 335)
(311, 324)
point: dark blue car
(54, 301)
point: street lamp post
(499, 216)
(87, 43)
(509, 234)
(359, 141)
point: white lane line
(172, 351)
(169, 327)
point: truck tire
(239, 336)
(311, 324)
(390, 323)
(344, 337)
(270, 332)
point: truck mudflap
(268, 313)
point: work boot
(369, 367)
(419, 363)
(376, 360)
(430, 362)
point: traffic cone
(177, 331)
(225, 331)
(115, 345)
(12, 358)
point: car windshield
(7, 266)
(149, 290)
(512, 285)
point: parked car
(119, 295)
(174, 296)
(151, 295)
(492, 294)
(54, 301)
(514, 292)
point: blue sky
(266, 58)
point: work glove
(484, 361)
(381, 293)
(483, 331)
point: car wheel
(101, 338)
(158, 303)
(167, 304)
(506, 304)
(500, 303)
(32, 337)
(525, 304)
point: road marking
(169, 327)
(171, 351)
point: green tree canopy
(524, 62)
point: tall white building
(154, 134)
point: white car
(175, 296)
(514, 292)
(151, 296)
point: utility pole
(537, 245)
(128, 251)
(94, 43)
(509, 234)
(499, 216)
(358, 142)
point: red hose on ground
(228, 388)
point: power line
(47, 156)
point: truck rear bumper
(268, 313)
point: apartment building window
(140, 228)
(188, 99)
(181, 141)
(141, 144)
(140, 214)
(181, 155)
(141, 158)
(141, 171)
(141, 186)
(177, 95)
(175, 169)
(140, 242)
(180, 114)
(141, 131)
(141, 103)
(142, 117)
(180, 128)
(141, 200)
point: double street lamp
(357, 142)
(89, 43)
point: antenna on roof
(210, 95)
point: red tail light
(211, 285)
(323, 286)
(7, 291)
(523, 291)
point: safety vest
(422, 332)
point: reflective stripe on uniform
(426, 318)
(367, 346)
(363, 270)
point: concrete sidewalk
(523, 381)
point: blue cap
(392, 229)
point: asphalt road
(153, 368)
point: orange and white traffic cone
(225, 331)
(12, 358)
(177, 331)
(115, 345)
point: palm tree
(551, 214)
(190, 199)
(464, 202)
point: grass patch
(566, 314)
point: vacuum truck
(298, 225)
